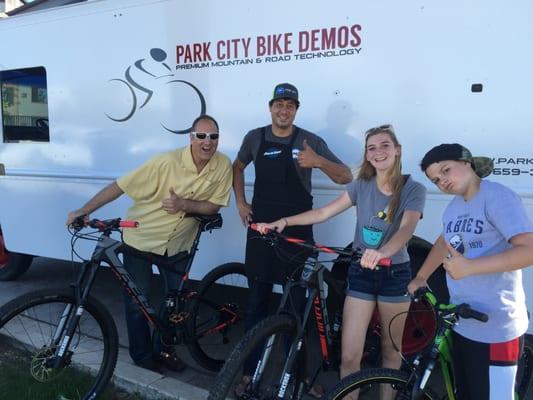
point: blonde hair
(394, 177)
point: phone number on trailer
(512, 171)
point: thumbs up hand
(456, 265)
(173, 203)
(307, 158)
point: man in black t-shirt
(284, 156)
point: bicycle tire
(367, 381)
(281, 325)
(27, 325)
(217, 291)
(525, 370)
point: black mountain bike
(52, 334)
(280, 340)
(417, 382)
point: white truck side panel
(414, 67)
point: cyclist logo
(141, 92)
(456, 241)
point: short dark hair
(296, 103)
(206, 117)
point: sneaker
(171, 361)
(240, 388)
(151, 364)
(315, 391)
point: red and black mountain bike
(280, 340)
(63, 342)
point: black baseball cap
(285, 91)
(454, 151)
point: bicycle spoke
(30, 337)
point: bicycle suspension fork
(439, 352)
(294, 348)
(72, 312)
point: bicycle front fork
(63, 336)
(288, 368)
(421, 382)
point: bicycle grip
(254, 227)
(466, 312)
(128, 224)
(385, 262)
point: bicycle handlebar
(462, 310)
(385, 262)
(103, 225)
(465, 311)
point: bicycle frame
(440, 351)
(312, 280)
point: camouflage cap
(454, 151)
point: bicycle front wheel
(216, 315)
(32, 329)
(263, 351)
(370, 383)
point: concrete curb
(152, 385)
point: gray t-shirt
(483, 226)
(252, 141)
(369, 201)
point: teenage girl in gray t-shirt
(388, 206)
(487, 239)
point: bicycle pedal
(178, 318)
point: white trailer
(92, 90)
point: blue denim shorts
(388, 285)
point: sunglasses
(203, 135)
(381, 128)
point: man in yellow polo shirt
(193, 179)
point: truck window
(24, 105)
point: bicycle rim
(30, 335)
(216, 320)
(373, 383)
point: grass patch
(16, 382)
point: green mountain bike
(417, 381)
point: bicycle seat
(208, 222)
